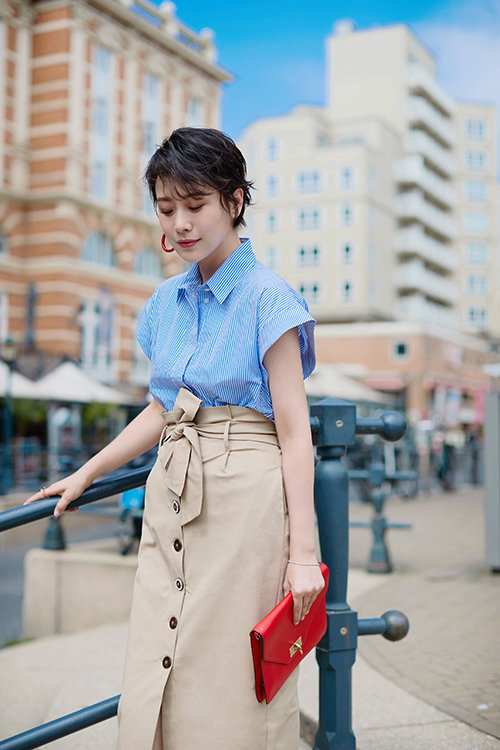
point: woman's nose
(182, 221)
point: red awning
(385, 383)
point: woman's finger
(297, 609)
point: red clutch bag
(278, 645)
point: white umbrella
(68, 382)
(326, 380)
(20, 386)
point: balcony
(416, 141)
(412, 171)
(421, 113)
(419, 80)
(416, 307)
(412, 205)
(415, 276)
(413, 240)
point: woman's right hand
(69, 488)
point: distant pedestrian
(229, 519)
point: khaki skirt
(212, 560)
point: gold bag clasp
(297, 646)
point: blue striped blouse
(211, 338)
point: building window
(372, 181)
(477, 285)
(400, 349)
(476, 190)
(346, 178)
(477, 316)
(476, 222)
(309, 182)
(271, 149)
(309, 256)
(147, 263)
(372, 292)
(194, 113)
(150, 115)
(346, 293)
(477, 252)
(99, 179)
(475, 161)
(271, 257)
(346, 215)
(372, 256)
(101, 130)
(310, 291)
(309, 218)
(97, 248)
(272, 186)
(475, 130)
(96, 320)
(322, 140)
(346, 254)
(272, 221)
(372, 216)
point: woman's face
(199, 228)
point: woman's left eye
(195, 208)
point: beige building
(361, 204)
(87, 90)
(435, 372)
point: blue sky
(275, 50)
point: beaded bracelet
(301, 563)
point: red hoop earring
(164, 247)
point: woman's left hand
(305, 582)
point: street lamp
(6, 479)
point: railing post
(336, 423)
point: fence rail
(334, 426)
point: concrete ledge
(87, 585)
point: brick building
(87, 90)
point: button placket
(175, 608)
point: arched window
(97, 248)
(147, 263)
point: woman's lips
(187, 243)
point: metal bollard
(379, 560)
(334, 427)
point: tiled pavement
(451, 657)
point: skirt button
(173, 623)
(167, 662)
(179, 583)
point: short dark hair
(194, 159)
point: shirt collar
(226, 277)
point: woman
(229, 519)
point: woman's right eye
(167, 212)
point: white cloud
(465, 42)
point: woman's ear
(238, 203)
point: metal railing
(334, 427)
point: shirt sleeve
(281, 309)
(144, 331)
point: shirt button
(167, 662)
(173, 622)
(177, 545)
(179, 583)
(175, 506)
(206, 299)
